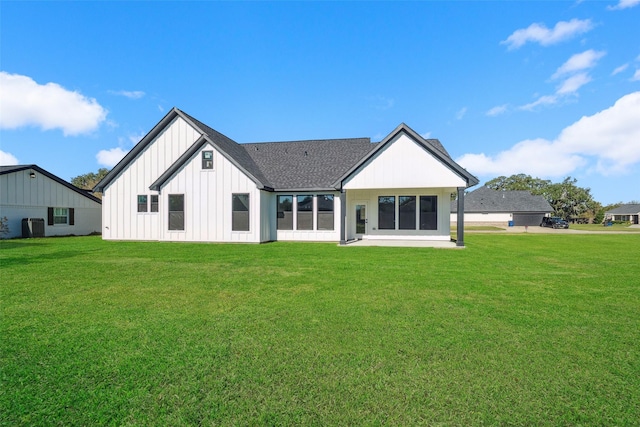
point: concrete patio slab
(405, 243)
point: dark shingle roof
(485, 199)
(316, 164)
(232, 149)
(628, 209)
(293, 165)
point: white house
(627, 212)
(30, 192)
(486, 206)
(187, 182)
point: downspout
(460, 217)
(343, 217)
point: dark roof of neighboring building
(485, 199)
(17, 168)
(628, 209)
(283, 166)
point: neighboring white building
(486, 206)
(187, 182)
(28, 191)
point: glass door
(361, 219)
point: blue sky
(546, 88)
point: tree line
(567, 199)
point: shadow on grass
(19, 243)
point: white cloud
(23, 102)
(110, 158)
(539, 33)
(131, 94)
(606, 140)
(135, 138)
(573, 83)
(426, 135)
(624, 4)
(532, 157)
(460, 113)
(541, 101)
(8, 159)
(636, 76)
(620, 69)
(578, 62)
(497, 110)
(573, 79)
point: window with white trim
(240, 212)
(142, 203)
(386, 212)
(285, 213)
(304, 212)
(325, 206)
(407, 212)
(428, 212)
(154, 203)
(176, 212)
(207, 159)
(60, 216)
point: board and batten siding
(120, 220)
(403, 163)
(24, 197)
(208, 201)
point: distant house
(184, 181)
(55, 205)
(487, 206)
(628, 212)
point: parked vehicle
(554, 222)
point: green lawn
(600, 227)
(519, 329)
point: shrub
(4, 225)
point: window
(325, 212)
(142, 203)
(386, 212)
(305, 213)
(285, 212)
(207, 160)
(407, 212)
(60, 216)
(176, 211)
(154, 203)
(240, 212)
(428, 212)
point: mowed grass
(513, 330)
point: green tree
(519, 182)
(89, 180)
(570, 201)
(566, 198)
